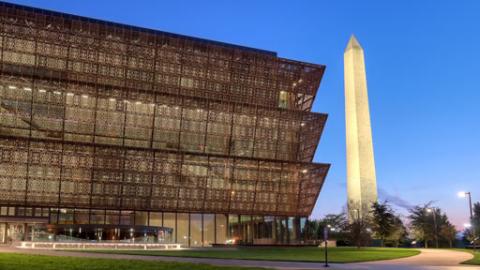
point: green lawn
(12, 261)
(475, 260)
(305, 254)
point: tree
(337, 225)
(448, 232)
(472, 234)
(399, 232)
(359, 232)
(382, 220)
(421, 223)
(476, 219)
(310, 230)
(429, 223)
(334, 220)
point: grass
(304, 254)
(13, 261)
(476, 258)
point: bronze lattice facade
(99, 117)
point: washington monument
(361, 179)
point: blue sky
(423, 68)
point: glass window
(182, 228)
(45, 212)
(246, 229)
(53, 216)
(111, 217)
(265, 228)
(20, 211)
(295, 229)
(97, 217)
(208, 229)
(81, 216)
(169, 225)
(234, 228)
(141, 218)
(65, 216)
(303, 221)
(221, 230)
(196, 230)
(156, 219)
(127, 217)
(2, 233)
(37, 212)
(283, 99)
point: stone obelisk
(361, 179)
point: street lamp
(464, 194)
(433, 211)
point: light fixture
(138, 102)
(462, 194)
(27, 89)
(304, 171)
(57, 92)
(302, 124)
(12, 87)
(70, 94)
(112, 99)
(42, 90)
(85, 96)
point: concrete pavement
(428, 259)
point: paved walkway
(429, 259)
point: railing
(93, 245)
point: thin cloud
(394, 199)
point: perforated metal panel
(101, 115)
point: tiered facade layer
(101, 115)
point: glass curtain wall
(188, 229)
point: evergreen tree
(383, 220)
(399, 233)
(448, 232)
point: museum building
(111, 132)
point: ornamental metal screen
(101, 115)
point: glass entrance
(15, 232)
(3, 232)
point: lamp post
(433, 211)
(464, 194)
(325, 240)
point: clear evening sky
(423, 72)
